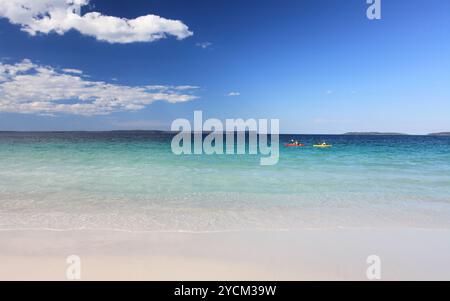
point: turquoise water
(132, 181)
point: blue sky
(320, 66)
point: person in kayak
(294, 142)
(322, 145)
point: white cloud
(26, 87)
(231, 94)
(60, 16)
(204, 45)
(74, 71)
(181, 88)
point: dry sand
(339, 254)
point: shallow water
(132, 181)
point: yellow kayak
(323, 145)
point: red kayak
(294, 145)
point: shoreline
(225, 231)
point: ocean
(131, 181)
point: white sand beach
(340, 254)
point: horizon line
(353, 133)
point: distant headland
(373, 134)
(440, 134)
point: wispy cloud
(26, 87)
(233, 94)
(60, 16)
(74, 71)
(141, 124)
(204, 45)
